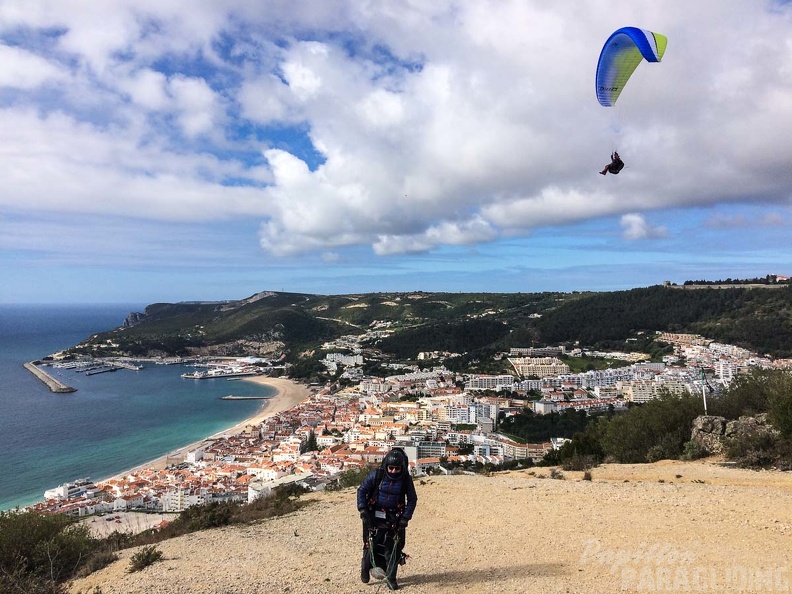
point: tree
(652, 431)
(310, 444)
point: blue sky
(170, 151)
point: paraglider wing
(620, 56)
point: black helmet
(396, 457)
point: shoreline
(288, 394)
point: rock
(753, 426)
(133, 319)
(707, 433)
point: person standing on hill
(386, 501)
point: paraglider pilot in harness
(386, 501)
(614, 166)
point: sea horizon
(113, 422)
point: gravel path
(666, 527)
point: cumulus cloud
(635, 227)
(21, 69)
(403, 129)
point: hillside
(669, 526)
(274, 324)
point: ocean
(113, 422)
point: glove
(403, 522)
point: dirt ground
(666, 527)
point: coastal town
(437, 416)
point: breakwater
(53, 384)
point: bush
(282, 501)
(751, 450)
(652, 431)
(694, 450)
(20, 581)
(779, 403)
(146, 556)
(578, 462)
(48, 548)
(98, 560)
(349, 478)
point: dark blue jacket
(392, 492)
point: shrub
(751, 450)
(652, 431)
(780, 403)
(693, 450)
(578, 462)
(280, 502)
(146, 556)
(349, 478)
(587, 475)
(95, 562)
(47, 547)
(555, 473)
(21, 581)
(202, 517)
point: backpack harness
(372, 502)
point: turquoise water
(114, 421)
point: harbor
(53, 384)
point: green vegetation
(473, 325)
(654, 431)
(758, 319)
(146, 556)
(532, 428)
(583, 364)
(661, 428)
(40, 552)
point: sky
(198, 150)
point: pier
(53, 384)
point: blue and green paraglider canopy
(622, 53)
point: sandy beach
(288, 395)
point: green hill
(277, 323)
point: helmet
(395, 458)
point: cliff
(669, 526)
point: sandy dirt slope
(665, 527)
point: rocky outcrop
(133, 319)
(707, 434)
(757, 426)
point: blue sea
(113, 422)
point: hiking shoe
(392, 585)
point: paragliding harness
(383, 540)
(616, 164)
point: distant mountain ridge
(276, 323)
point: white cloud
(21, 69)
(635, 227)
(404, 128)
(147, 88)
(197, 105)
